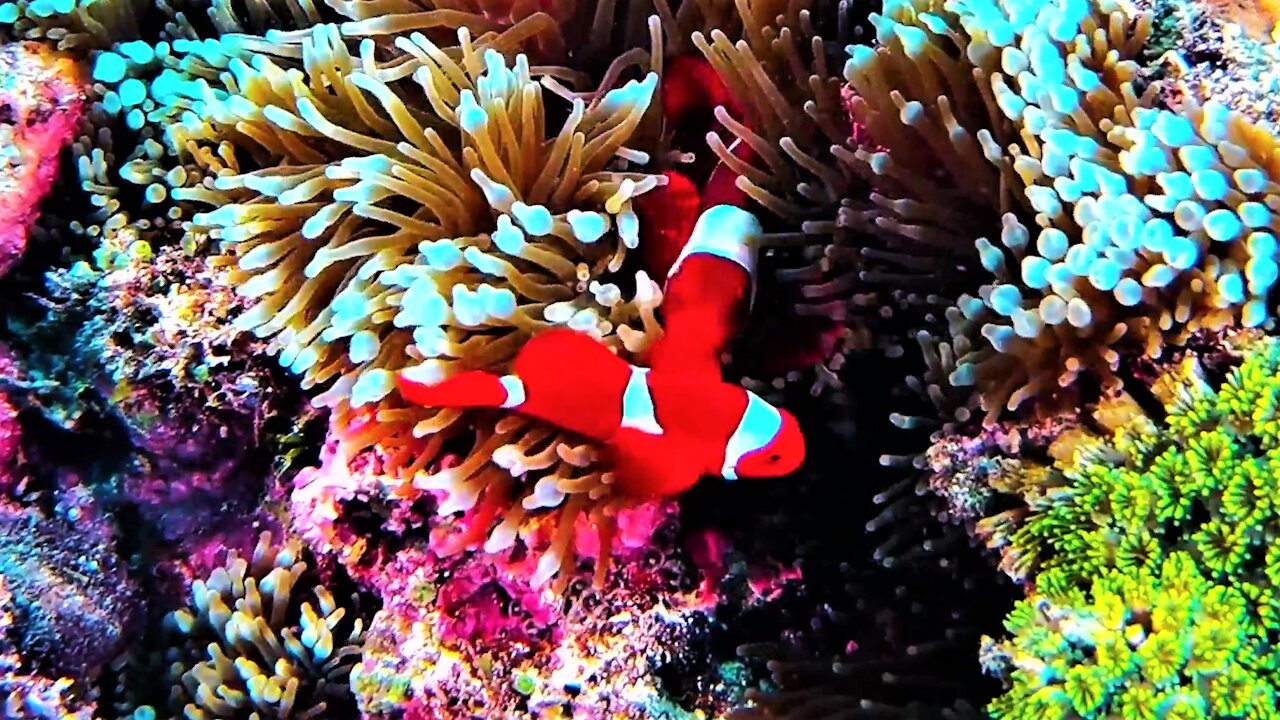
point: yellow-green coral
(252, 648)
(1191, 486)
(1142, 643)
(1201, 480)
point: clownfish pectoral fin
(474, 388)
(653, 466)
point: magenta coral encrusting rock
(10, 429)
(461, 638)
(40, 104)
(322, 499)
(10, 443)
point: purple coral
(75, 603)
(29, 694)
(153, 334)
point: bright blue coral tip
(109, 68)
(137, 51)
(1174, 130)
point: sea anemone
(897, 643)
(1136, 226)
(419, 216)
(776, 65)
(930, 158)
(248, 645)
(72, 24)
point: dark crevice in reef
(832, 610)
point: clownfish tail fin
(474, 388)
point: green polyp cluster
(1161, 529)
(1202, 481)
(1141, 644)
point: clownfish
(691, 93)
(711, 284)
(666, 426)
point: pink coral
(462, 631)
(10, 429)
(41, 98)
(322, 497)
(469, 636)
(473, 601)
(10, 445)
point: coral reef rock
(75, 603)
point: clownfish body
(666, 426)
(691, 87)
(667, 216)
(708, 291)
(661, 432)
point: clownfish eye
(775, 457)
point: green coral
(1202, 480)
(1150, 545)
(1140, 644)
